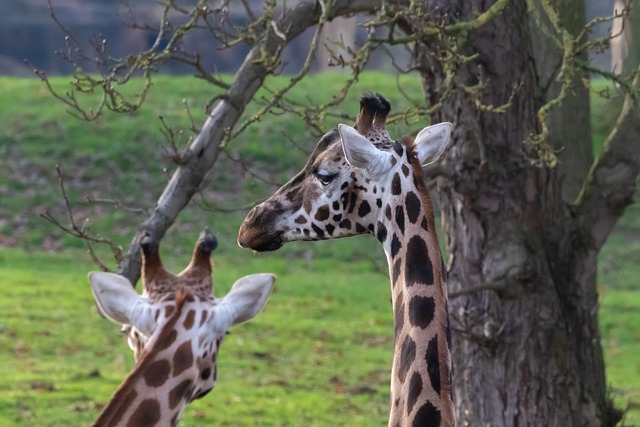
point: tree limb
(611, 182)
(205, 148)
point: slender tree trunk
(521, 269)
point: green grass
(319, 354)
(620, 327)
(123, 157)
(311, 358)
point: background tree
(523, 238)
(526, 208)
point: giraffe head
(342, 190)
(185, 328)
(159, 284)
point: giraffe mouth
(260, 241)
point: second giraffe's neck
(157, 390)
(420, 377)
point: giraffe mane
(408, 142)
(123, 395)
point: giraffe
(179, 329)
(357, 181)
(157, 282)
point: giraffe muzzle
(259, 240)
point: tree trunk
(522, 266)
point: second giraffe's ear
(119, 302)
(431, 142)
(247, 297)
(361, 153)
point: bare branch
(117, 203)
(205, 148)
(246, 168)
(82, 231)
(610, 185)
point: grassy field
(123, 158)
(313, 357)
(319, 354)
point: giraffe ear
(118, 301)
(247, 297)
(361, 153)
(431, 142)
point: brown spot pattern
(395, 245)
(381, 234)
(182, 358)
(168, 310)
(322, 213)
(418, 268)
(427, 416)
(413, 205)
(178, 393)
(396, 185)
(189, 319)
(407, 356)
(415, 388)
(421, 311)
(364, 209)
(203, 319)
(400, 218)
(146, 414)
(168, 340)
(157, 373)
(205, 374)
(397, 265)
(433, 364)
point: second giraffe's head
(346, 184)
(199, 324)
(182, 328)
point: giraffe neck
(420, 376)
(163, 381)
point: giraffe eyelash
(325, 178)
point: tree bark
(205, 148)
(522, 258)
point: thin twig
(74, 229)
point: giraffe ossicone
(159, 284)
(182, 329)
(360, 181)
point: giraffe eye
(325, 178)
